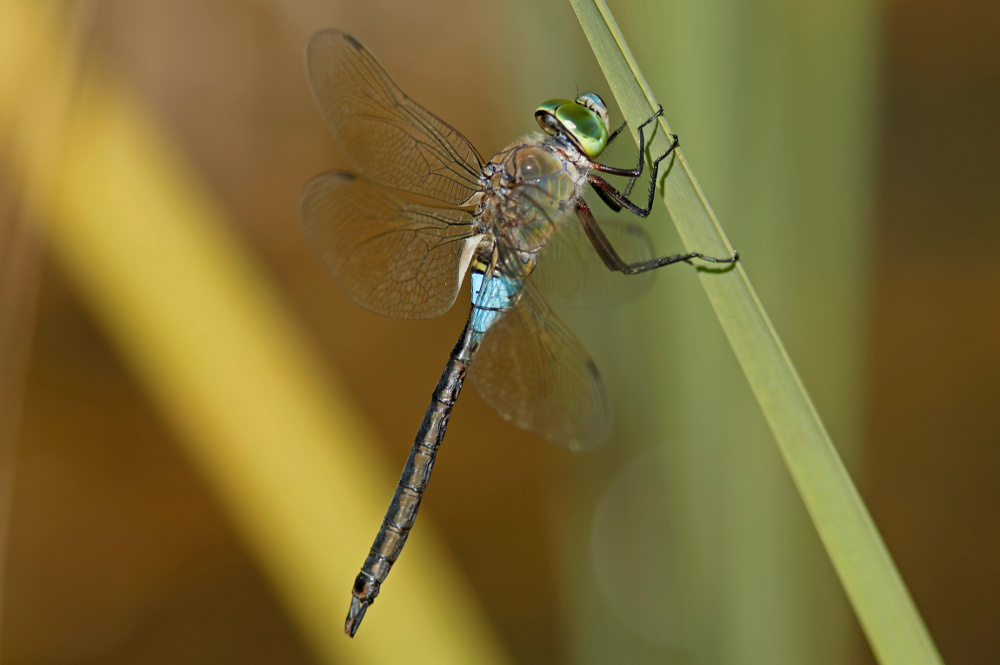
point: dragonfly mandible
(426, 208)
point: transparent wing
(571, 273)
(536, 374)
(391, 256)
(386, 136)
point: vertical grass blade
(872, 583)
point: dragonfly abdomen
(402, 512)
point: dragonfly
(423, 209)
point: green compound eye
(595, 104)
(584, 122)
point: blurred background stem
(778, 104)
(213, 346)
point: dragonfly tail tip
(355, 615)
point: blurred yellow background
(200, 432)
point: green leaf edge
(883, 605)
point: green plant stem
(873, 585)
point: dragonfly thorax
(528, 190)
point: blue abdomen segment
(490, 301)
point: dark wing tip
(332, 35)
(322, 182)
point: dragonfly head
(584, 122)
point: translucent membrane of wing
(571, 273)
(535, 373)
(391, 256)
(384, 134)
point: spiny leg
(675, 142)
(618, 131)
(608, 200)
(617, 200)
(637, 171)
(614, 262)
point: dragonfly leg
(637, 171)
(675, 142)
(607, 198)
(610, 202)
(617, 200)
(618, 131)
(614, 262)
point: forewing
(571, 273)
(537, 375)
(386, 136)
(391, 256)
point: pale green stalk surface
(880, 600)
